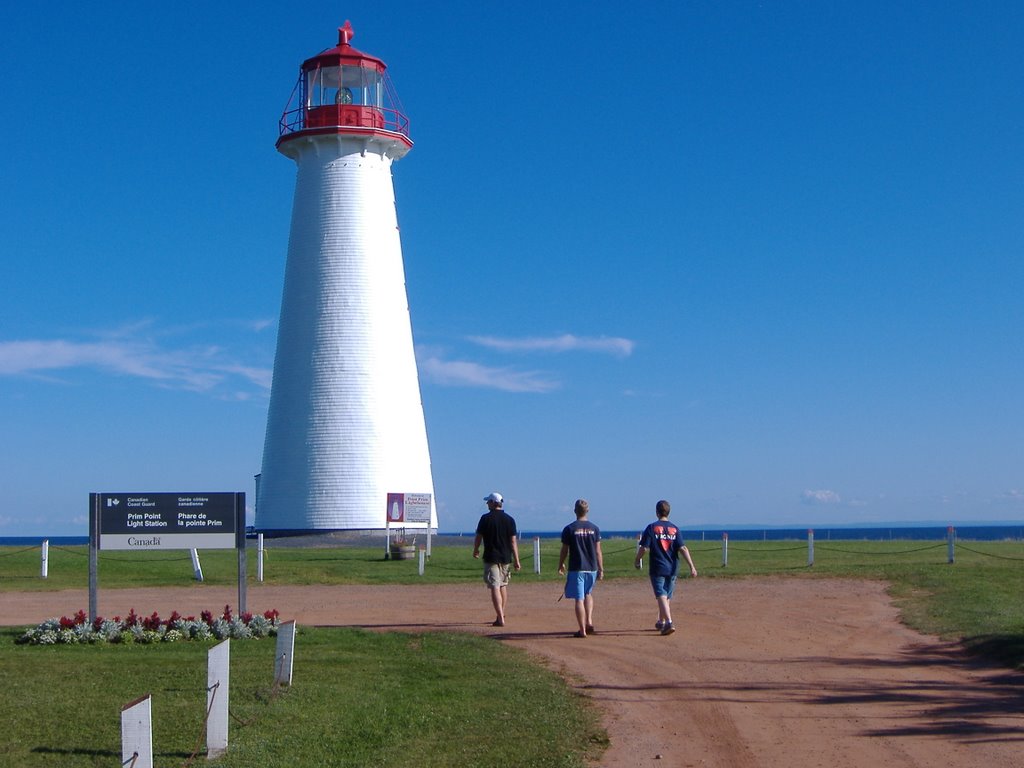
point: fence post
(536, 554)
(44, 565)
(217, 686)
(725, 549)
(641, 560)
(423, 558)
(284, 653)
(810, 546)
(137, 733)
(259, 560)
(197, 569)
(950, 541)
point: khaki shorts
(496, 574)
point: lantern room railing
(343, 116)
(300, 115)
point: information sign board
(168, 520)
(396, 508)
(417, 508)
(165, 521)
(408, 508)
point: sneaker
(659, 625)
(667, 628)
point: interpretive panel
(167, 520)
(408, 508)
(417, 508)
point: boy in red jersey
(664, 541)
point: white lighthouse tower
(345, 425)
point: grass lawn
(365, 699)
(423, 699)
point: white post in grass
(725, 549)
(810, 546)
(197, 569)
(640, 560)
(951, 543)
(259, 560)
(284, 653)
(137, 733)
(423, 559)
(217, 663)
(44, 566)
(536, 554)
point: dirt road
(765, 673)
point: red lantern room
(344, 91)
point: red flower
(227, 613)
(207, 617)
(271, 615)
(98, 623)
(131, 619)
(66, 623)
(152, 623)
(80, 617)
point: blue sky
(763, 259)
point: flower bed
(152, 629)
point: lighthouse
(345, 425)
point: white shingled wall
(345, 425)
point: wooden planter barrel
(404, 552)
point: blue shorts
(664, 586)
(579, 584)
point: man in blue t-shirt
(581, 541)
(664, 541)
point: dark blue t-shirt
(581, 537)
(663, 540)
(497, 530)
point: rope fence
(761, 556)
(829, 548)
(988, 554)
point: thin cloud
(609, 345)
(198, 369)
(461, 373)
(820, 497)
(1014, 495)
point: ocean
(879, 533)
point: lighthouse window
(324, 87)
(345, 85)
(365, 85)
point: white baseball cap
(495, 497)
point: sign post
(137, 521)
(395, 514)
(417, 510)
(406, 508)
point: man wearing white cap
(497, 531)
